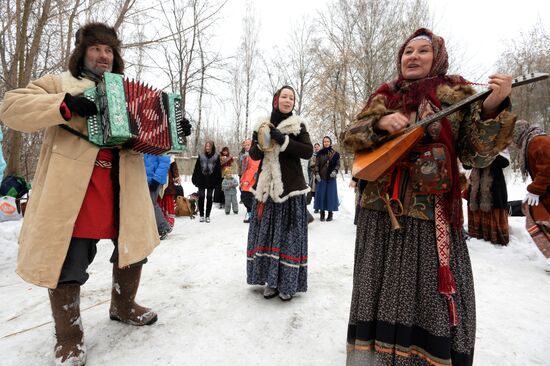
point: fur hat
(88, 35)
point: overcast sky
(476, 28)
(476, 31)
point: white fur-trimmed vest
(280, 174)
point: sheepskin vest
(280, 174)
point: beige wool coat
(61, 179)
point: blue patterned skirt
(277, 246)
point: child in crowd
(229, 187)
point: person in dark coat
(277, 236)
(206, 176)
(326, 170)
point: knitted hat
(91, 34)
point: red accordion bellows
(148, 116)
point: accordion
(135, 116)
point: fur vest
(280, 174)
(477, 142)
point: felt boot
(123, 293)
(69, 336)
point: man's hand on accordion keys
(80, 105)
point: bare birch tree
(237, 100)
(529, 53)
(37, 36)
(248, 57)
(358, 52)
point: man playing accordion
(81, 194)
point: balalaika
(134, 115)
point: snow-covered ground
(208, 315)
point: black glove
(255, 137)
(80, 105)
(186, 126)
(153, 185)
(277, 135)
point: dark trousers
(247, 198)
(209, 192)
(80, 255)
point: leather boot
(123, 293)
(322, 215)
(69, 338)
(329, 217)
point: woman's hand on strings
(501, 86)
(393, 122)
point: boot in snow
(270, 292)
(285, 297)
(69, 338)
(123, 293)
(322, 215)
(329, 218)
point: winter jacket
(156, 167)
(538, 160)
(477, 143)
(249, 173)
(64, 168)
(229, 186)
(323, 165)
(203, 180)
(280, 173)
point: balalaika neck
(520, 80)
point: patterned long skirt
(490, 226)
(277, 246)
(397, 316)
